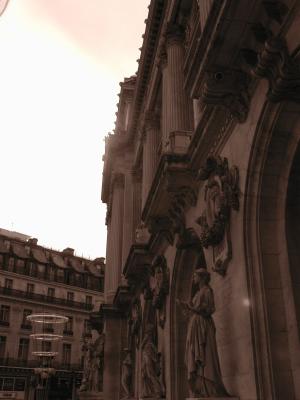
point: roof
(3, 248)
(19, 250)
(29, 249)
(39, 255)
(58, 260)
(77, 265)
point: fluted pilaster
(128, 216)
(177, 107)
(137, 201)
(113, 271)
(150, 152)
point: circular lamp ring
(45, 353)
(47, 318)
(46, 336)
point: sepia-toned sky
(61, 64)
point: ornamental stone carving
(228, 88)
(159, 288)
(134, 323)
(151, 366)
(126, 376)
(201, 354)
(280, 68)
(93, 355)
(221, 195)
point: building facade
(35, 279)
(202, 173)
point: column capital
(136, 174)
(118, 179)
(162, 59)
(174, 34)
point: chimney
(68, 251)
(33, 241)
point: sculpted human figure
(93, 363)
(97, 363)
(151, 386)
(201, 356)
(86, 349)
(127, 374)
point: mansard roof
(29, 249)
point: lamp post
(46, 336)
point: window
(88, 300)
(46, 346)
(69, 327)
(87, 326)
(11, 263)
(4, 315)
(66, 354)
(2, 346)
(32, 269)
(20, 263)
(23, 349)
(51, 292)
(8, 283)
(48, 328)
(30, 289)
(25, 323)
(70, 296)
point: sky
(61, 64)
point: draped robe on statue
(201, 357)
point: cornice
(137, 262)
(110, 311)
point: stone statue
(127, 374)
(93, 364)
(201, 356)
(151, 385)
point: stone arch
(189, 256)
(273, 312)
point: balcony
(20, 294)
(68, 332)
(14, 362)
(27, 326)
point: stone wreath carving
(221, 196)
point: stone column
(113, 270)
(137, 201)
(132, 210)
(128, 214)
(114, 332)
(150, 152)
(177, 107)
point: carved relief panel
(221, 195)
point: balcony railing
(14, 362)
(20, 294)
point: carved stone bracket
(182, 199)
(221, 195)
(280, 68)
(163, 225)
(228, 88)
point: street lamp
(46, 336)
